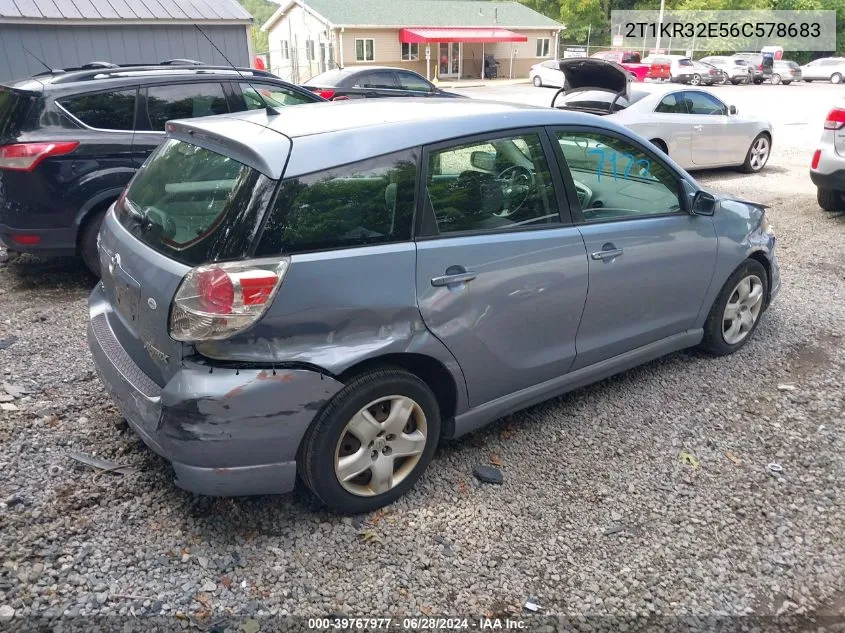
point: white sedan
(546, 73)
(693, 126)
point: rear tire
(786, 83)
(88, 241)
(757, 82)
(695, 80)
(835, 78)
(717, 331)
(758, 154)
(776, 79)
(375, 479)
(830, 200)
(537, 81)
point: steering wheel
(516, 182)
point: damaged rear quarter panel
(225, 417)
(336, 309)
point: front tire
(372, 442)
(737, 310)
(695, 80)
(758, 154)
(776, 79)
(835, 78)
(830, 200)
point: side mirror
(732, 110)
(485, 161)
(703, 203)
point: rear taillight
(760, 67)
(25, 239)
(835, 119)
(26, 156)
(817, 155)
(217, 301)
(326, 94)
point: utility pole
(660, 23)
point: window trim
(684, 185)
(546, 46)
(402, 51)
(424, 213)
(364, 49)
(84, 125)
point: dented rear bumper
(227, 432)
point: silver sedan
(696, 128)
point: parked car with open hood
(328, 291)
(692, 125)
(70, 140)
(761, 65)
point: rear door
(159, 104)
(650, 261)
(377, 83)
(501, 273)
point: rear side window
(376, 79)
(104, 110)
(369, 202)
(14, 110)
(184, 101)
(195, 205)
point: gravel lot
(598, 515)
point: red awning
(425, 34)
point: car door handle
(453, 278)
(609, 253)
(698, 128)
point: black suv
(71, 139)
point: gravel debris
(598, 516)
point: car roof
(325, 135)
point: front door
(450, 59)
(501, 279)
(650, 261)
(712, 139)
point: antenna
(270, 110)
(40, 61)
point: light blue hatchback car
(328, 291)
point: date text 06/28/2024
(415, 624)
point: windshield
(194, 205)
(328, 78)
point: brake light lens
(835, 119)
(26, 240)
(817, 155)
(27, 156)
(217, 301)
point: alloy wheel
(742, 310)
(759, 153)
(381, 445)
(695, 80)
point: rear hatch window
(195, 205)
(15, 109)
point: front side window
(271, 95)
(616, 180)
(491, 185)
(193, 204)
(364, 50)
(370, 202)
(184, 101)
(104, 110)
(703, 103)
(410, 52)
(411, 81)
(543, 47)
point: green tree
(261, 10)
